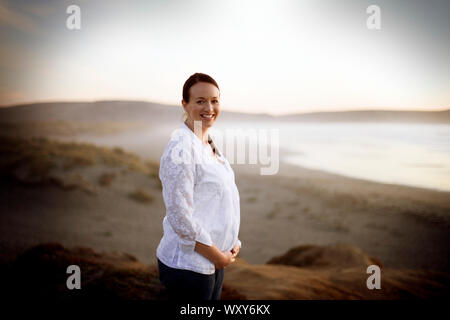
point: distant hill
(147, 111)
(100, 111)
(88, 111)
(372, 116)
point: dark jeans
(184, 284)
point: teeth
(208, 116)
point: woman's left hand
(235, 250)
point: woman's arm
(177, 175)
(212, 253)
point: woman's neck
(200, 131)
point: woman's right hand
(212, 253)
(227, 259)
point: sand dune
(40, 273)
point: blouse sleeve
(238, 242)
(177, 178)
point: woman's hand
(227, 258)
(235, 250)
(219, 258)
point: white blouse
(202, 202)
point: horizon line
(249, 113)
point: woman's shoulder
(180, 145)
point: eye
(216, 101)
(199, 101)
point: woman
(202, 219)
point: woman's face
(203, 105)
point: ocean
(399, 153)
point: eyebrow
(205, 98)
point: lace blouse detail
(201, 200)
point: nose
(208, 107)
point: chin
(208, 124)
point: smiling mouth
(208, 116)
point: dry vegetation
(106, 179)
(141, 195)
(67, 128)
(38, 160)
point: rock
(333, 256)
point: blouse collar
(184, 126)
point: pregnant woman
(202, 218)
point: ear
(183, 103)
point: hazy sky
(274, 56)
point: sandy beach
(107, 196)
(402, 226)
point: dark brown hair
(196, 78)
